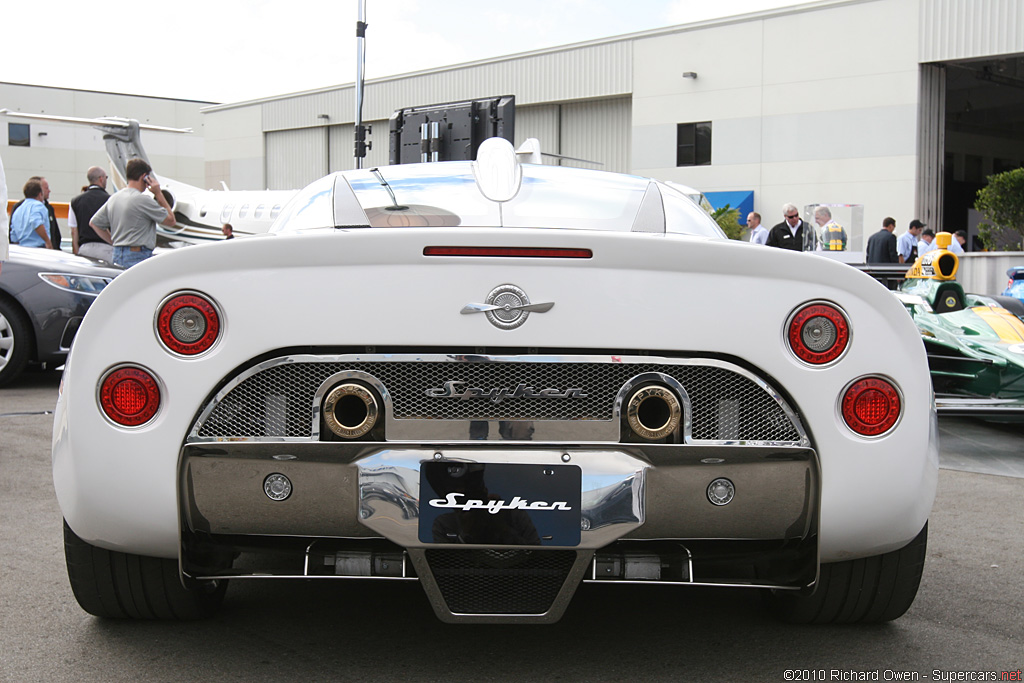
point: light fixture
(690, 74)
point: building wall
(824, 102)
(574, 99)
(961, 29)
(66, 151)
(814, 106)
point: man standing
(227, 231)
(30, 223)
(130, 217)
(54, 229)
(906, 246)
(85, 240)
(3, 216)
(789, 234)
(758, 233)
(833, 236)
(882, 245)
(959, 239)
(927, 242)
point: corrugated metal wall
(961, 29)
(295, 158)
(931, 145)
(591, 83)
(598, 131)
(584, 72)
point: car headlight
(79, 284)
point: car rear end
(498, 414)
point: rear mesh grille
(277, 401)
(500, 581)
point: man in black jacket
(84, 240)
(791, 233)
(882, 245)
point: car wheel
(869, 590)
(119, 585)
(15, 341)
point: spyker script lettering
(452, 390)
(495, 506)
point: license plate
(499, 503)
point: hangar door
(983, 127)
(295, 158)
(594, 130)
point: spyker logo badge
(507, 307)
(495, 506)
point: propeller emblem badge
(507, 307)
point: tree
(728, 220)
(1001, 202)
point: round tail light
(188, 324)
(129, 396)
(818, 333)
(871, 406)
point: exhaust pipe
(350, 410)
(653, 412)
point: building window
(693, 144)
(18, 135)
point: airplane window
(276, 210)
(225, 213)
(259, 211)
(244, 209)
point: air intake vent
(500, 581)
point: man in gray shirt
(130, 217)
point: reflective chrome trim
(685, 407)
(359, 392)
(612, 490)
(444, 430)
(326, 385)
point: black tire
(15, 340)
(118, 585)
(869, 590)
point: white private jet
(199, 213)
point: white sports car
(499, 380)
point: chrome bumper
(638, 506)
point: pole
(360, 129)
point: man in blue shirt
(30, 224)
(906, 247)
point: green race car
(975, 343)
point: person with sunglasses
(790, 233)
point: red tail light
(129, 396)
(513, 252)
(188, 324)
(871, 406)
(818, 333)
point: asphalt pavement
(967, 622)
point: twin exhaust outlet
(351, 410)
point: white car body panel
(373, 287)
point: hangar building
(62, 153)
(901, 106)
